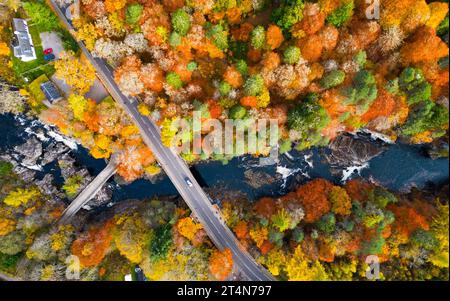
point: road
(178, 172)
(89, 191)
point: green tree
(254, 85)
(258, 37)
(219, 36)
(133, 13)
(281, 220)
(292, 55)
(181, 21)
(363, 91)
(72, 185)
(327, 223)
(413, 83)
(308, 119)
(332, 79)
(237, 112)
(161, 242)
(12, 243)
(174, 80)
(288, 13)
(428, 117)
(340, 15)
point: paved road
(178, 172)
(89, 192)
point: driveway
(52, 40)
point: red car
(48, 51)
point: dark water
(398, 168)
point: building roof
(51, 92)
(23, 43)
(20, 25)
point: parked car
(49, 57)
(48, 51)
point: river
(399, 168)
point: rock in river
(30, 150)
(349, 150)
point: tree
(327, 223)
(363, 91)
(288, 13)
(342, 14)
(281, 220)
(308, 119)
(133, 13)
(292, 55)
(428, 117)
(91, 247)
(161, 242)
(299, 268)
(258, 37)
(254, 85)
(424, 46)
(78, 104)
(12, 243)
(314, 198)
(131, 237)
(6, 226)
(274, 37)
(4, 49)
(221, 264)
(21, 196)
(340, 201)
(79, 75)
(72, 185)
(188, 228)
(332, 79)
(181, 21)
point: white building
(22, 42)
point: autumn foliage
(92, 247)
(221, 264)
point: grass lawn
(34, 69)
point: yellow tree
(299, 268)
(21, 196)
(4, 49)
(78, 104)
(188, 228)
(79, 75)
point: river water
(399, 168)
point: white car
(188, 182)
